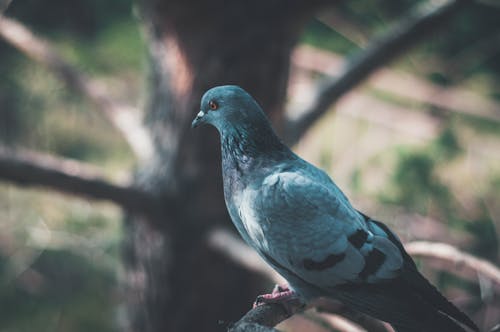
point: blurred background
(416, 145)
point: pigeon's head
(228, 106)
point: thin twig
(419, 23)
(68, 176)
(463, 263)
(124, 117)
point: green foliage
(415, 183)
(470, 39)
(373, 16)
(439, 78)
(480, 125)
(320, 35)
(80, 18)
(71, 286)
(415, 179)
(39, 112)
(117, 49)
(446, 146)
(418, 185)
(60, 291)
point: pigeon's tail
(429, 305)
(436, 301)
(409, 304)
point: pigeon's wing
(317, 237)
(315, 232)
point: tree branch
(464, 264)
(125, 118)
(265, 317)
(68, 176)
(229, 244)
(420, 22)
(262, 318)
(409, 87)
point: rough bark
(175, 281)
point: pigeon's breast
(252, 221)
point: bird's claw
(283, 295)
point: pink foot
(283, 295)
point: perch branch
(405, 33)
(464, 264)
(68, 176)
(263, 318)
(125, 118)
(229, 244)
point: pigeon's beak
(198, 120)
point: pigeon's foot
(283, 295)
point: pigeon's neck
(247, 147)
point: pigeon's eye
(213, 105)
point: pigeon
(303, 226)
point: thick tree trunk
(175, 282)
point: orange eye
(213, 105)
